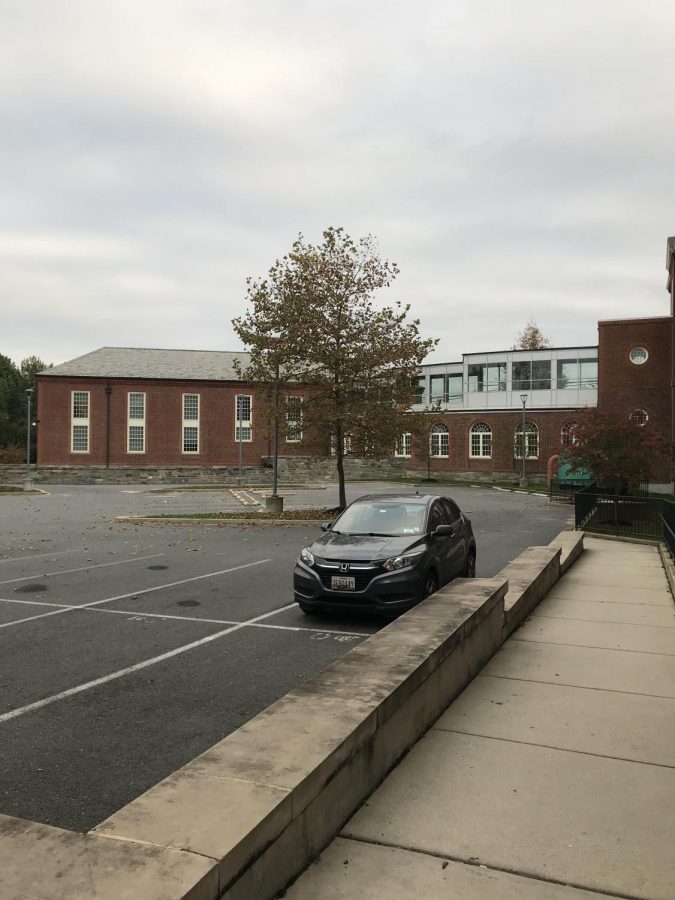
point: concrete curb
(530, 577)
(244, 818)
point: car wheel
(470, 568)
(308, 610)
(430, 585)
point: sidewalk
(552, 775)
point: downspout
(108, 392)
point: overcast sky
(516, 159)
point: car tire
(430, 585)
(470, 567)
(308, 610)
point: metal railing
(564, 490)
(632, 516)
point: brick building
(139, 407)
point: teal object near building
(565, 473)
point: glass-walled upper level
(567, 376)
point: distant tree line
(14, 382)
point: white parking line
(159, 587)
(39, 555)
(149, 615)
(137, 667)
(118, 562)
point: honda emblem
(344, 567)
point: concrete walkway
(552, 775)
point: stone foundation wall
(291, 470)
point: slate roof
(135, 362)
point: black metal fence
(635, 516)
(564, 491)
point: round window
(638, 355)
(639, 417)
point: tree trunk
(342, 501)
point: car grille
(361, 581)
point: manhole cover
(158, 568)
(31, 589)
(188, 603)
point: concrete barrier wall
(244, 818)
(291, 470)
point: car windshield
(387, 518)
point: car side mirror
(325, 526)
(444, 531)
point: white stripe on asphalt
(117, 562)
(148, 615)
(137, 667)
(38, 555)
(159, 587)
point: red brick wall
(163, 420)
(503, 425)
(624, 387)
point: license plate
(338, 583)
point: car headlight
(307, 557)
(401, 562)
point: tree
(313, 322)
(616, 453)
(531, 338)
(14, 382)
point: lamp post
(275, 503)
(523, 479)
(27, 483)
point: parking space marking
(159, 587)
(39, 555)
(137, 667)
(149, 615)
(117, 562)
(269, 625)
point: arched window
(439, 440)
(529, 441)
(480, 440)
(639, 417)
(567, 437)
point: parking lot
(126, 650)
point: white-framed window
(439, 441)
(79, 413)
(639, 417)
(638, 356)
(346, 445)
(293, 420)
(190, 423)
(135, 422)
(531, 441)
(243, 425)
(480, 441)
(404, 445)
(567, 437)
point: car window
(437, 516)
(388, 517)
(452, 510)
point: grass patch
(10, 489)
(171, 489)
(315, 515)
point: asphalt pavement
(126, 650)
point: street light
(275, 503)
(29, 394)
(523, 479)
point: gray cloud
(514, 158)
